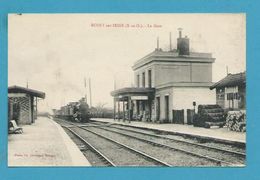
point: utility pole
(158, 43)
(227, 69)
(27, 84)
(114, 82)
(85, 85)
(90, 96)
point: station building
(231, 91)
(167, 85)
(22, 104)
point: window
(236, 95)
(138, 80)
(231, 96)
(149, 78)
(143, 79)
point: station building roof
(158, 55)
(231, 80)
(32, 92)
(133, 91)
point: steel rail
(182, 141)
(103, 157)
(58, 120)
(218, 161)
(129, 148)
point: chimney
(157, 42)
(158, 46)
(180, 32)
(183, 44)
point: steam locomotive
(74, 111)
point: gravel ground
(174, 158)
(92, 157)
(179, 137)
(117, 154)
(236, 160)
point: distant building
(231, 91)
(22, 104)
(167, 83)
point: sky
(55, 52)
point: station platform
(215, 133)
(43, 143)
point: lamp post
(194, 105)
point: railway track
(134, 156)
(116, 152)
(213, 155)
(207, 142)
(188, 143)
(94, 156)
(220, 156)
(170, 150)
(97, 158)
(233, 149)
(239, 153)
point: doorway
(158, 108)
(166, 98)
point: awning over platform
(135, 93)
(130, 99)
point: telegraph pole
(227, 69)
(85, 85)
(27, 84)
(114, 82)
(90, 96)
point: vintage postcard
(127, 90)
